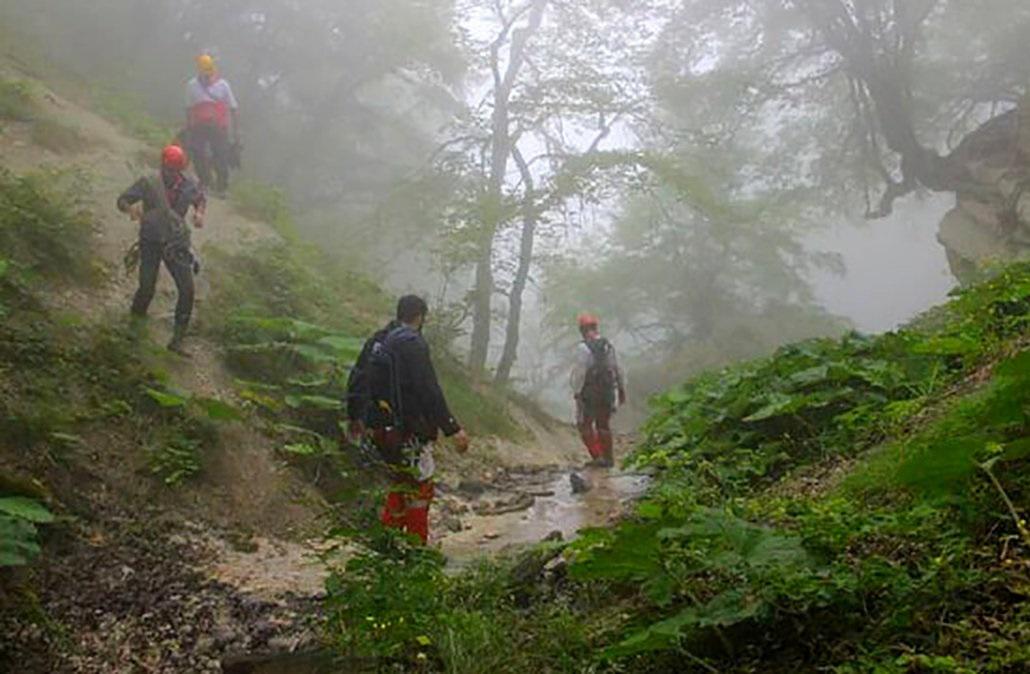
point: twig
(1023, 532)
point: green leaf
(167, 399)
(218, 410)
(26, 509)
(301, 449)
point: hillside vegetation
(849, 505)
(114, 453)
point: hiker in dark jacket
(599, 388)
(405, 411)
(160, 240)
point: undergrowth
(849, 505)
(17, 102)
(282, 291)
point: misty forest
(484, 336)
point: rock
(491, 536)
(472, 487)
(453, 524)
(555, 536)
(580, 485)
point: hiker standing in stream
(599, 388)
(212, 112)
(395, 390)
(160, 204)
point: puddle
(556, 508)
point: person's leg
(606, 442)
(417, 514)
(180, 265)
(199, 140)
(220, 152)
(149, 264)
(586, 427)
(394, 510)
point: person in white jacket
(599, 388)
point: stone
(580, 485)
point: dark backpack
(599, 383)
(165, 225)
(385, 402)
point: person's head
(588, 324)
(412, 310)
(206, 66)
(174, 158)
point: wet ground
(524, 506)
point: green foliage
(387, 601)
(18, 532)
(751, 423)
(395, 602)
(17, 101)
(912, 560)
(45, 226)
(175, 457)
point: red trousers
(407, 508)
(407, 503)
(596, 431)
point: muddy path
(525, 506)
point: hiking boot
(176, 345)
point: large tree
(875, 98)
(560, 75)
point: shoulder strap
(157, 184)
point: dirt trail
(238, 544)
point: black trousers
(181, 269)
(209, 147)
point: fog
(712, 178)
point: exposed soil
(142, 578)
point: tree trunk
(518, 286)
(482, 293)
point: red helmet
(174, 157)
(588, 321)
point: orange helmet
(588, 321)
(174, 157)
(206, 64)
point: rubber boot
(178, 337)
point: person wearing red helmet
(160, 205)
(599, 388)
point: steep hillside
(179, 502)
(853, 505)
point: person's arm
(199, 203)
(427, 389)
(580, 365)
(131, 200)
(234, 111)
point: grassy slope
(846, 505)
(76, 396)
